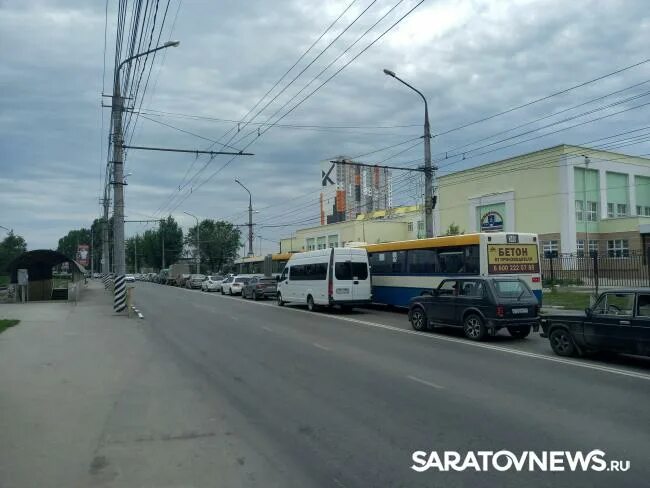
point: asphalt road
(345, 399)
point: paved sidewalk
(89, 398)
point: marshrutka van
(327, 277)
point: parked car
(335, 276)
(260, 287)
(212, 283)
(481, 306)
(129, 278)
(195, 281)
(182, 280)
(619, 322)
(235, 286)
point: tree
(219, 243)
(11, 247)
(69, 243)
(150, 245)
(453, 230)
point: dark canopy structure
(39, 264)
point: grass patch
(568, 299)
(6, 323)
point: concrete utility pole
(250, 218)
(586, 249)
(92, 251)
(105, 243)
(118, 163)
(429, 170)
(162, 243)
(198, 241)
(135, 254)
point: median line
(319, 346)
(424, 382)
(482, 345)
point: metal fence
(596, 270)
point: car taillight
(501, 311)
(536, 279)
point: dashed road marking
(319, 346)
(424, 382)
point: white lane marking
(236, 319)
(482, 345)
(266, 328)
(428, 383)
(316, 344)
(140, 315)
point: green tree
(453, 230)
(150, 245)
(219, 243)
(11, 247)
(68, 244)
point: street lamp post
(250, 218)
(429, 199)
(3, 227)
(118, 164)
(198, 249)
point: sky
(471, 58)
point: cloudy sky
(472, 59)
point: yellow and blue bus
(406, 269)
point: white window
(580, 247)
(646, 211)
(579, 210)
(618, 248)
(550, 247)
(311, 244)
(610, 210)
(409, 227)
(638, 210)
(420, 225)
(591, 213)
(621, 210)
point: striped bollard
(119, 300)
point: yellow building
(573, 197)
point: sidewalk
(92, 399)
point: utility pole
(586, 249)
(117, 108)
(135, 254)
(429, 171)
(198, 249)
(105, 243)
(92, 251)
(162, 243)
(250, 218)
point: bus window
(422, 261)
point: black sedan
(481, 306)
(260, 287)
(618, 322)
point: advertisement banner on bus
(512, 258)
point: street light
(429, 199)
(250, 217)
(198, 250)
(119, 256)
(3, 227)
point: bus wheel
(311, 306)
(419, 319)
(280, 301)
(474, 328)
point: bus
(255, 264)
(406, 269)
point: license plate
(519, 310)
(342, 291)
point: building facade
(349, 189)
(576, 198)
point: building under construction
(349, 189)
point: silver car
(195, 281)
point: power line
(308, 96)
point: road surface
(320, 399)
